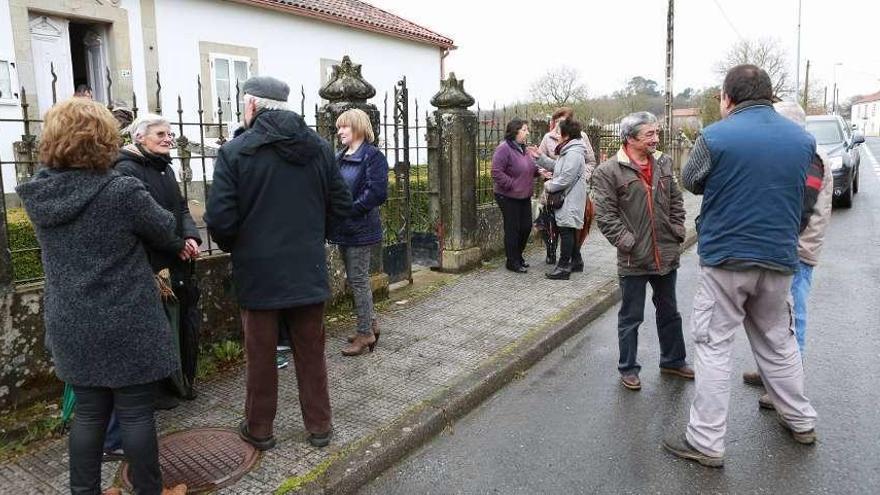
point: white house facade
(152, 52)
(866, 114)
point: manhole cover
(204, 459)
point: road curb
(356, 465)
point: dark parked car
(841, 145)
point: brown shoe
(685, 372)
(680, 447)
(177, 490)
(803, 437)
(631, 382)
(360, 344)
(374, 328)
(753, 378)
(764, 402)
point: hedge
(26, 265)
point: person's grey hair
(632, 124)
(266, 103)
(792, 111)
(142, 124)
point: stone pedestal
(453, 161)
(347, 89)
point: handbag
(556, 199)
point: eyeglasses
(162, 135)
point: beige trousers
(760, 301)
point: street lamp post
(834, 92)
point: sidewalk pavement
(438, 358)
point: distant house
(157, 50)
(687, 118)
(866, 114)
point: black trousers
(632, 314)
(137, 424)
(517, 215)
(568, 247)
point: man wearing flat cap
(275, 186)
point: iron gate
(410, 227)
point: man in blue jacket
(274, 188)
(750, 168)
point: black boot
(560, 272)
(577, 265)
(551, 258)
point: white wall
(870, 124)
(9, 109)
(289, 48)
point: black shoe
(320, 440)
(517, 269)
(559, 273)
(165, 402)
(551, 259)
(680, 447)
(524, 264)
(258, 443)
(577, 267)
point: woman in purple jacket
(365, 170)
(513, 177)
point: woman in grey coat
(570, 175)
(104, 323)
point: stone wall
(490, 230)
(26, 372)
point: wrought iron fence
(490, 133)
(193, 157)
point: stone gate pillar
(452, 134)
(346, 89)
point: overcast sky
(503, 45)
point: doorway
(88, 57)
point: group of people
(565, 159)
(766, 204)
(118, 239)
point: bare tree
(766, 53)
(558, 87)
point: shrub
(26, 263)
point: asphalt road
(569, 427)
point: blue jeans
(800, 292)
(632, 314)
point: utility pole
(834, 100)
(825, 101)
(807, 88)
(797, 72)
(669, 51)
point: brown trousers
(306, 331)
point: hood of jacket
(286, 133)
(575, 145)
(58, 196)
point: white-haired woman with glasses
(148, 158)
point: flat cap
(266, 87)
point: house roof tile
(868, 98)
(357, 14)
(686, 112)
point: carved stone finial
(452, 94)
(347, 84)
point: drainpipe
(444, 52)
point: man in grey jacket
(640, 210)
(809, 242)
